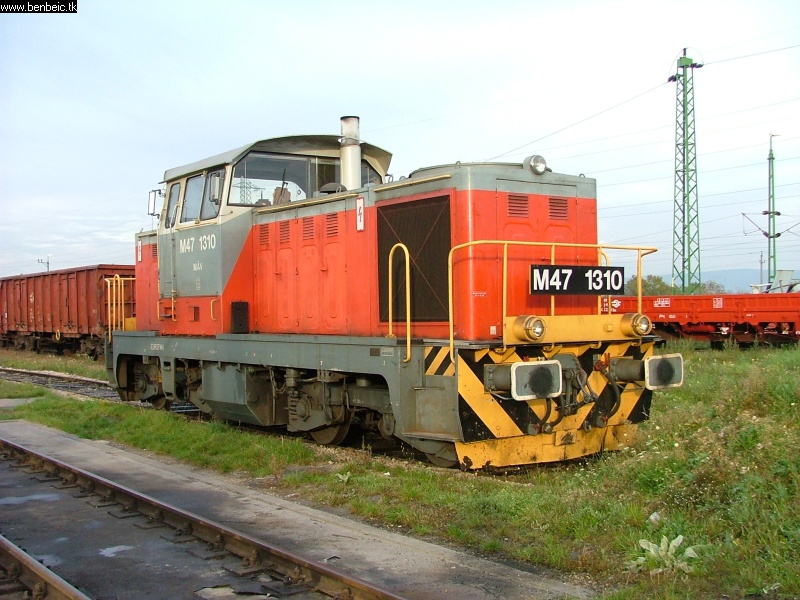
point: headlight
(529, 328)
(636, 324)
(643, 325)
(538, 164)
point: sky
(95, 106)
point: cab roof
(305, 145)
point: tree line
(654, 285)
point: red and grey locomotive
(292, 282)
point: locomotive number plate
(570, 279)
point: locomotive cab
(207, 218)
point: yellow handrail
(602, 256)
(172, 307)
(408, 298)
(115, 305)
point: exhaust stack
(350, 153)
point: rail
(115, 288)
(404, 248)
(258, 554)
(602, 257)
(38, 580)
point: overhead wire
(716, 62)
(576, 123)
(670, 141)
(652, 143)
(639, 95)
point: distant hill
(736, 280)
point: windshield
(264, 179)
(269, 179)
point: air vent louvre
(263, 234)
(284, 232)
(308, 228)
(518, 206)
(155, 250)
(559, 209)
(332, 225)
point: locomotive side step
(426, 435)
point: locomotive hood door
(199, 243)
(198, 260)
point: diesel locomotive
(293, 282)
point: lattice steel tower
(772, 236)
(686, 231)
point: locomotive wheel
(446, 457)
(331, 436)
(161, 403)
(438, 461)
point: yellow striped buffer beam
(534, 404)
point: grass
(20, 390)
(74, 364)
(208, 444)
(717, 464)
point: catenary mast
(686, 231)
(772, 236)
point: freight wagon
(744, 319)
(66, 310)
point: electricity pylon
(686, 231)
(772, 236)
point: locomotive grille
(263, 234)
(332, 225)
(308, 228)
(424, 227)
(155, 250)
(559, 209)
(284, 232)
(518, 206)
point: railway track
(80, 386)
(22, 576)
(261, 567)
(62, 382)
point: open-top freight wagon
(66, 310)
(743, 319)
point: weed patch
(75, 364)
(20, 390)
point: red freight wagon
(772, 318)
(69, 309)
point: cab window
(274, 179)
(172, 205)
(369, 175)
(192, 199)
(265, 179)
(212, 194)
(329, 171)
